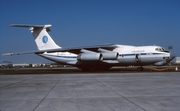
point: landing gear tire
(91, 69)
(140, 68)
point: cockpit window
(161, 49)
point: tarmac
(96, 91)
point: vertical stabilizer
(42, 38)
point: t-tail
(42, 38)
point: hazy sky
(89, 22)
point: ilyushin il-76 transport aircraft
(89, 58)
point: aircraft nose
(172, 56)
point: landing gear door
(138, 58)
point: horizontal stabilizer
(29, 26)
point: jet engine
(90, 57)
(110, 55)
(160, 63)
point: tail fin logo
(45, 39)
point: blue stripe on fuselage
(140, 54)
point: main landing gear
(140, 68)
(95, 68)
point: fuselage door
(138, 58)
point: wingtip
(7, 54)
(11, 25)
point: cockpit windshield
(160, 49)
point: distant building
(177, 60)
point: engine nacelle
(110, 55)
(90, 57)
(160, 63)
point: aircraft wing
(75, 50)
(19, 53)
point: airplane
(92, 58)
